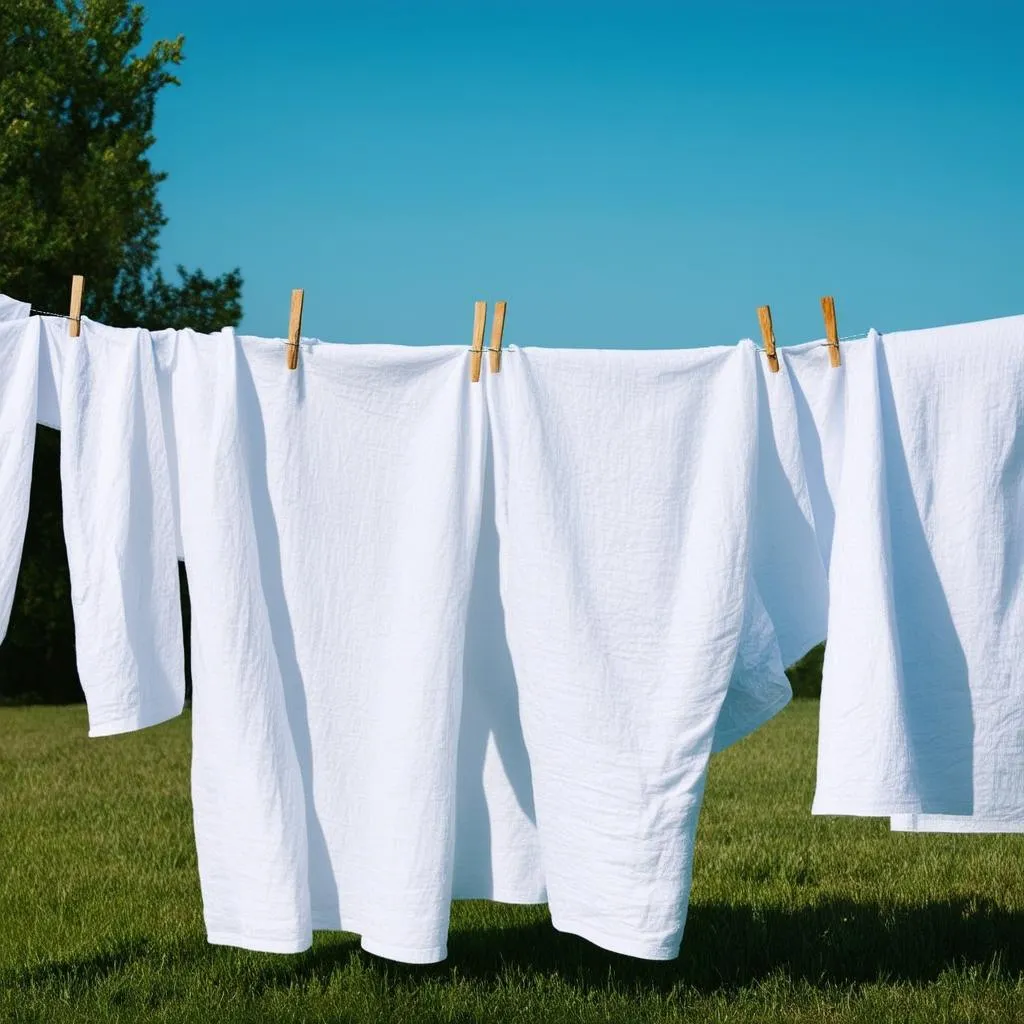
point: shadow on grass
(82, 971)
(725, 948)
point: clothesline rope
(44, 312)
(476, 351)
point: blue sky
(624, 174)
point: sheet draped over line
(625, 489)
(504, 789)
(19, 360)
(922, 711)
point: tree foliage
(78, 194)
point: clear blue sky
(624, 174)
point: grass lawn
(792, 917)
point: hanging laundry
(497, 848)
(792, 524)
(922, 713)
(625, 487)
(329, 520)
(12, 309)
(249, 802)
(975, 540)
(119, 528)
(19, 368)
(54, 342)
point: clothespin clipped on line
(75, 314)
(294, 330)
(764, 315)
(497, 330)
(477, 351)
(828, 309)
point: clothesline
(479, 326)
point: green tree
(78, 195)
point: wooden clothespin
(477, 351)
(294, 330)
(828, 308)
(75, 314)
(764, 314)
(497, 330)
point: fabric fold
(789, 560)
(247, 795)
(956, 396)
(624, 488)
(19, 370)
(922, 712)
(13, 309)
(330, 515)
(119, 528)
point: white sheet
(923, 696)
(19, 368)
(13, 309)
(331, 515)
(119, 528)
(625, 486)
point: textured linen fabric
(811, 414)
(249, 804)
(624, 492)
(791, 520)
(497, 848)
(119, 528)
(19, 368)
(329, 521)
(922, 713)
(968, 488)
(497, 845)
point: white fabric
(329, 520)
(758, 688)
(119, 529)
(953, 823)
(54, 343)
(624, 499)
(497, 848)
(922, 709)
(12, 309)
(792, 520)
(19, 367)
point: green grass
(792, 917)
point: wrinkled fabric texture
(422, 673)
(958, 402)
(922, 711)
(329, 522)
(497, 844)
(119, 529)
(791, 515)
(624, 492)
(19, 368)
(248, 800)
(497, 848)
